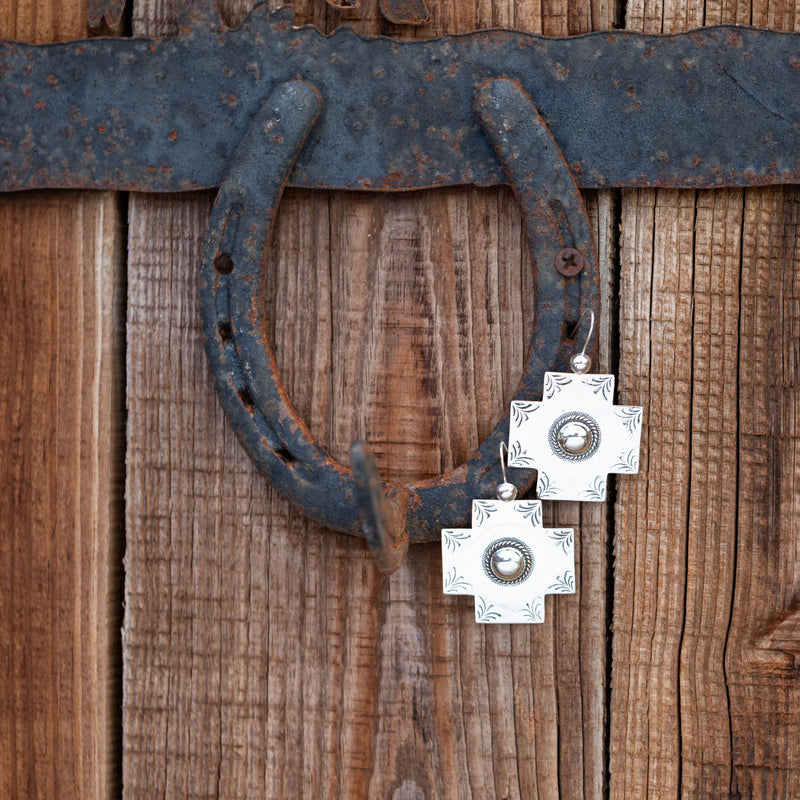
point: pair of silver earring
(574, 436)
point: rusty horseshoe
(233, 307)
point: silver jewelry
(575, 436)
(507, 560)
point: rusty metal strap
(711, 108)
(233, 306)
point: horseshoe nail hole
(223, 263)
(246, 398)
(225, 331)
(285, 456)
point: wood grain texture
(59, 516)
(763, 648)
(61, 434)
(705, 687)
(265, 657)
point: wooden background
(261, 656)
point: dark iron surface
(716, 107)
(405, 12)
(109, 10)
(233, 305)
(381, 518)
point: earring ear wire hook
(503, 459)
(505, 491)
(580, 362)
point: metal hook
(503, 459)
(505, 491)
(580, 362)
(387, 540)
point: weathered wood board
(265, 657)
(705, 689)
(61, 473)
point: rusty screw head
(569, 261)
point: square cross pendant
(575, 436)
(508, 561)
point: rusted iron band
(714, 107)
(233, 305)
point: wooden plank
(264, 656)
(61, 440)
(763, 648)
(704, 693)
(60, 537)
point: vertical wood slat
(705, 693)
(60, 433)
(763, 647)
(265, 657)
(61, 383)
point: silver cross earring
(575, 436)
(507, 560)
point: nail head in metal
(569, 261)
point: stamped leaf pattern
(486, 612)
(521, 411)
(454, 583)
(597, 491)
(545, 487)
(534, 611)
(518, 457)
(554, 381)
(627, 463)
(453, 539)
(482, 510)
(631, 417)
(563, 538)
(531, 511)
(564, 584)
(602, 385)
